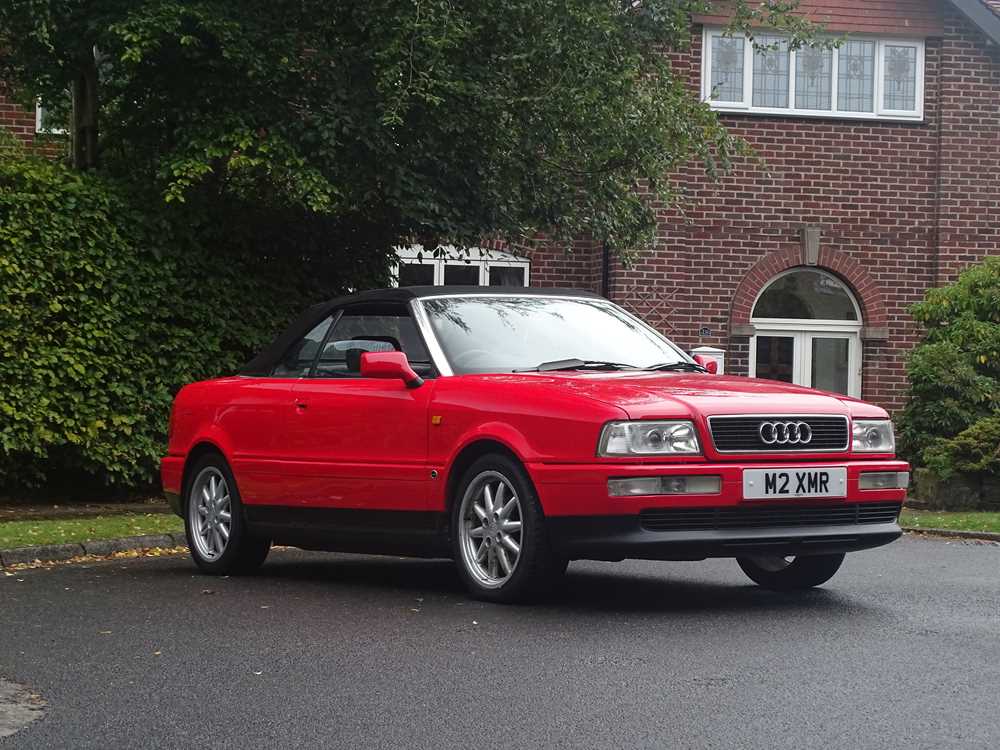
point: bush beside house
(105, 312)
(950, 427)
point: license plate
(828, 481)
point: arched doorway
(807, 331)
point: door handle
(301, 405)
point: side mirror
(389, 365)
(709, 364)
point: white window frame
(879, 113)
(481, 258)
(39, 127)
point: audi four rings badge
(785, 433)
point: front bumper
(584, 522)
(621, 537)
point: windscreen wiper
(678, 367)
(577, 364)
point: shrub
(975, 450)
(103, 317)
(951, 421)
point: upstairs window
(865, 78)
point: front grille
(742, 434)
(771, 516)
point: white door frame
(802, 332)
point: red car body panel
(371, 443)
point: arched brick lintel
(866, 290)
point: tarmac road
(901, 648)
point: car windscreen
(482, 334)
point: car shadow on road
(584, 589)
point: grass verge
(63, 531)
(921, 519)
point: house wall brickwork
(16, 119)
(915, 17)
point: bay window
(862, 78)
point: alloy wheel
(210, 513)
(490, 529)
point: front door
(361, 443)
(827, 360)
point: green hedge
(951, 422)
(103, 319)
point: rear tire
(781, 574)
(219, 538)
(498, 535)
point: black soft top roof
(264, 363)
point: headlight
(648, 439)
(873, 436)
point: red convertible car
(514, 431)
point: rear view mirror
(389, 365)
(709, 364)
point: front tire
(220, 541)
(498, 533)
(790, 574)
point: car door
(361, 443)
(257, 417)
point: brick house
(882, 180)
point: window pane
(506, 332)
(856, 77)
(830, 363)
(727, 69)
(770, 72)
(813, 78)
(506, 276)
(900, 77)
(465, 274)
(416, 274)
(299, 358)
(775, 358)
(806, 295)
(355, 334)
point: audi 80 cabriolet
(514, 431)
